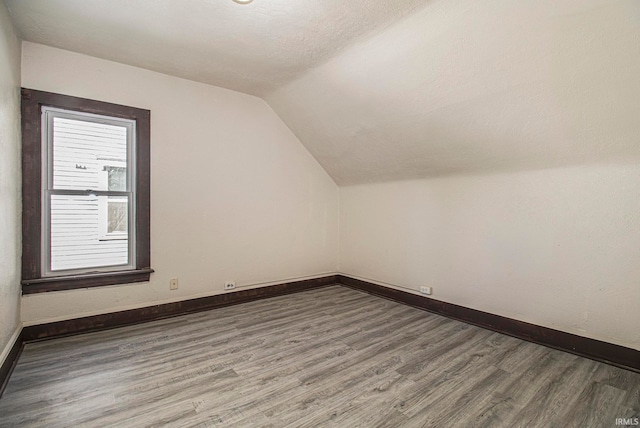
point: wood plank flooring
(331, 357)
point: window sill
(72, 282)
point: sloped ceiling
(467, 86)
(390, 90)
(250, 48)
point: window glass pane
(81, 152)
(78, 226)
(117, 215)
(116, 178)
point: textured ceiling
(391, 90)
(250, 48)
(467, 86)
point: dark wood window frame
(32, 279)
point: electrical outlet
(426, 290)
(229, 285)
(173, 284)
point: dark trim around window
(32, 280)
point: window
(113, 210)
(85, 193)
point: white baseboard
(9, 345)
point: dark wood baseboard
(10, 362)
(605, 352)
(616, 355)
(149, 313)
(152, 313)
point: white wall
(10, 182)
(234, 195)
(558, 247)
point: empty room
(319, 213)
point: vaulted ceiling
(392, 89)
(250, 48)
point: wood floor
(331, 357)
